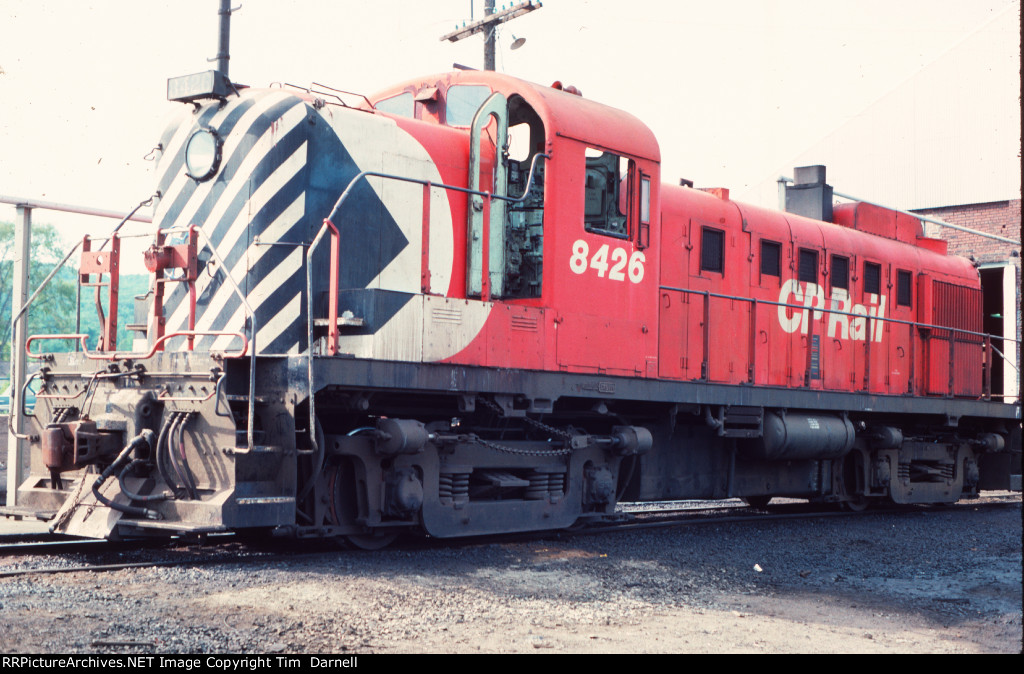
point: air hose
(140, 441)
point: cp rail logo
(845, 320)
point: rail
(19, 383)
(251, 412)
(106, 341)
(328, 225)
(117, 355)
(80, 210)
(63, 207)
(985, 338)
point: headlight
(202, 155)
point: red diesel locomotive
(469, 305)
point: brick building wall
(996, 217)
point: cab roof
(564, 114)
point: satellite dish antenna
(517, 42)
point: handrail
(48, 205)
(803, 307)
(329, 224)
(252, 317)
(42, 286)
(57, 268)
(942, 223)
(71, 208)
(118, 355)
(14, 418)
(121, 355)
(1003, 355)
(834, 311)
(455, 188)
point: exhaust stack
(810, 196)
(224, 38)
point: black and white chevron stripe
(259, 191)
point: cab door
(606, 298)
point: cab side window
(603, 209)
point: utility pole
(489, 24)
(489, 36)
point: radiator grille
(956, 307)
(955, 358)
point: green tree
(54, 310)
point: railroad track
(685, 517)
(31, 544)
(226, 549)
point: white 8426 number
(607, 261)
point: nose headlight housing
(202, 155)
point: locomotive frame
(456, 360)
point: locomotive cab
(570, 224)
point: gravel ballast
(928, 580)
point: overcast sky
(731, 88)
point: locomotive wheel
(759, 502)
(344, 509)
(374, 541)
(341, 492)
(856, 504)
